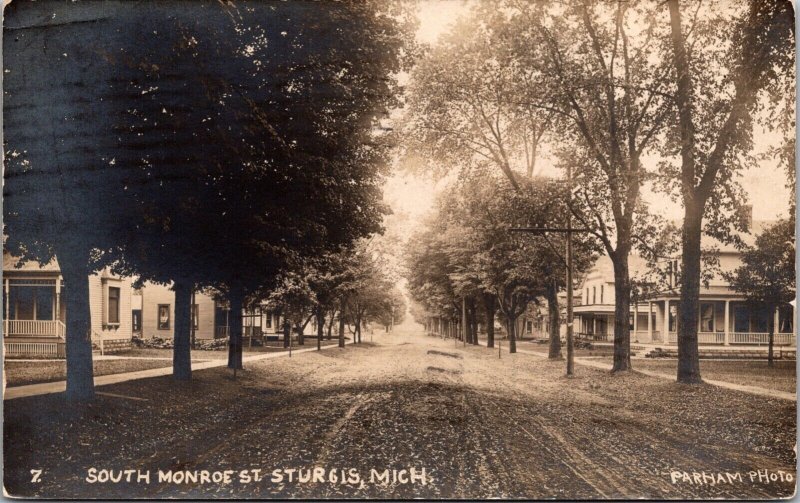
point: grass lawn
(207, 354)
(782, 377)
(20, 373)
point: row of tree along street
(228, 146)
(628, 95)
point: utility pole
(570, 317)
(568, 262)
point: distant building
(211, 317)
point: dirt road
(469, 424)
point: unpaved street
(480, 426)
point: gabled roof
(10, 264)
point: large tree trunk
(341, 324)
(320, 326)
(287, 332)
(489, 305)
(472, 321)
(622, 309)
(688, 353)
(80, 380)
(512, 335)
(553, 325)
(181, 351)
(236, 299)
(301, 336)
(771, 325)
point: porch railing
(754, 338)
(594, 337)
(56, 349)
(34, 328)
(220, 332)
(761, 338)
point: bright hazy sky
(764, 183)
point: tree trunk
(553, 325)
(287, 332)
(489, 305)
(80, 379)
(181, 351)
(320, 327)
(474, 324)
(341, 324)
(330, 324)
(236, 299)
(771, 324)
(688, 353)
(512, 335)
(301, 336)
(622, 309)
(357, 335)
(472, 321)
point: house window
(630, 322)
(759, 320)
(22, 301)
(163, 316)
(785, 320)
(269, 320)
(45, 303)
(741, 319)
(707, 317)
(594, 295)
(195, 316)
(136, 320)
(601, 294)
(113, 305)
(586, 298)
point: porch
(725, 322)
(33, 316)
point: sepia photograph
(399, 249)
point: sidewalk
(753, 390)
(60, 386)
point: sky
(413, 196)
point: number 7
(36, 474)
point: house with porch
(35, 314)
(724, 318)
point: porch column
(635, 317)
(57, 310)
(727, 339)
(8, 311)
(666, 320)
(775, 326)
(650, 320)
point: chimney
(747, 216)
